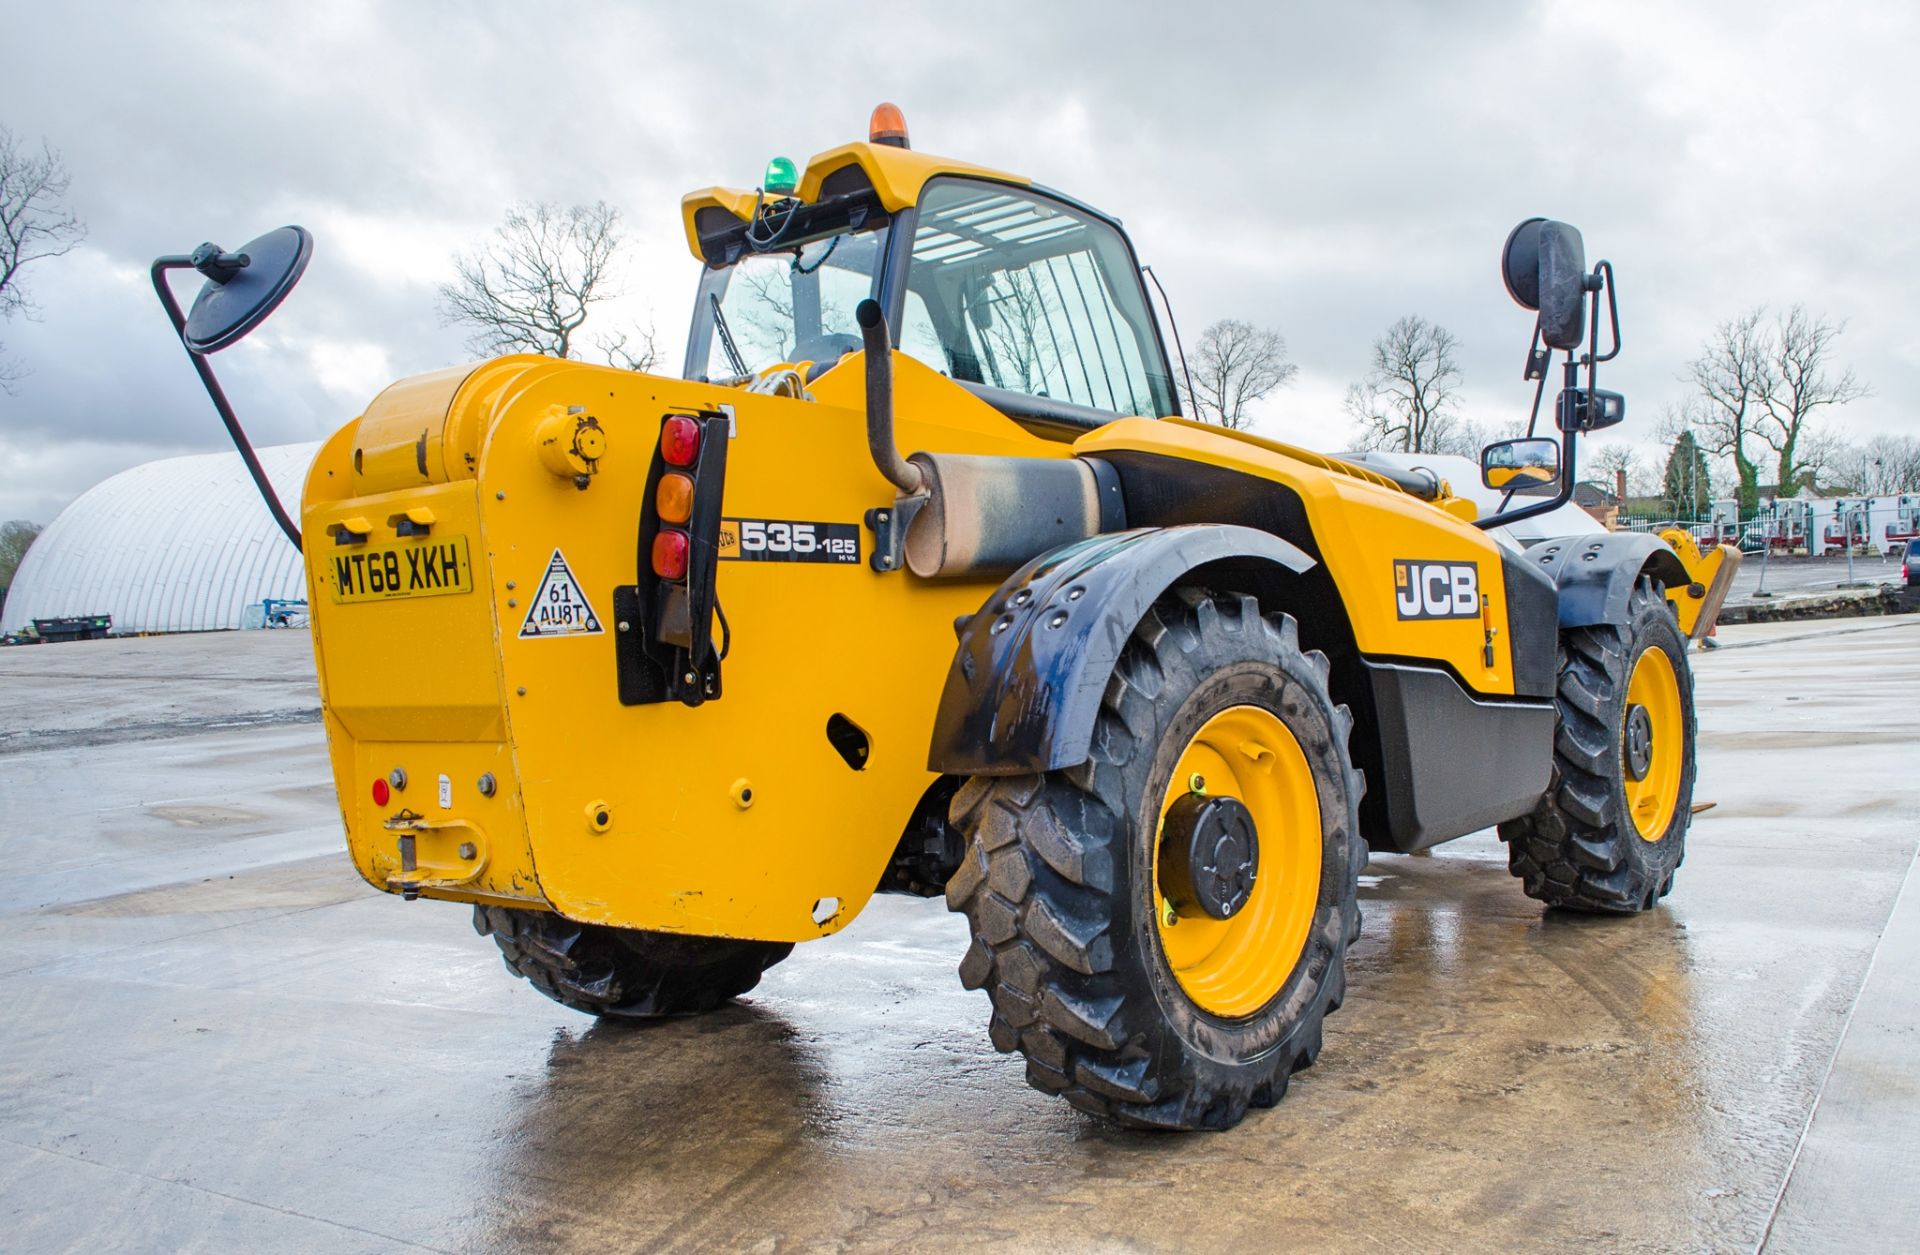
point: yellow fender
(1710, 574)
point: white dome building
(178, 545)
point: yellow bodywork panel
(446, 685)
(897, 175)
(514, 774)
(1363, 526)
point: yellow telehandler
(918, 581)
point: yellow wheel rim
(1651, 799)
(1233, 967)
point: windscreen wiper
(727, 345)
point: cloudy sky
(1321, 169)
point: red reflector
(680, 441)
(380, 791)
(670, 554)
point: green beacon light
(781, 178)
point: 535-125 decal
(787, 540)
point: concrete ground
(1802, 576)
(214, 1037)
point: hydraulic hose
(878, 343)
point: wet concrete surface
(214, 1037)
(1800, 575)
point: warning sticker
(559, 607)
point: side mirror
(243, 287)
(241, 290)
(1545, 268)
(1526, 467)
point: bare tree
(35, 224)
(1798, 383)
(1406, 401)
(531, 287)
(1616, 461)
(1022, 352)
(637, 350)
(1882, 466)
(1734, 374)
(1236, 364)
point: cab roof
(895, 176)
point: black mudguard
(1596, 574)
(1026, 683)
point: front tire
(1611, 829)
(1078, 921)
(624, 972)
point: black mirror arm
(1504, 517)
(240, 442)
(1603, 278)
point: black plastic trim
(1020, 406)
(1025, 686)
(1533, 625)
(1429, 790)
(830, 214)
(1595, 574)
(890, 277)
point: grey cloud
(1322, 169)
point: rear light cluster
(673, 497)
(665, 648)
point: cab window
(792, 303)
(1021, 292)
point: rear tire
(624, 972)
(1062, 887)
(1583, 848)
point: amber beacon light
(888, 126)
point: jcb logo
(1436, 590)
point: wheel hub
(1639, 742)
(1209, 854)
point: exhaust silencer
(978, 515)
(988, 515)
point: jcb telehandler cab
(917, 581)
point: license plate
(429, 567)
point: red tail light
(680, 441)
(381, 794)
(670, 554)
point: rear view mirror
(243, 287)
(1545, 268)
(1527, 467)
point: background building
(178, 545)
